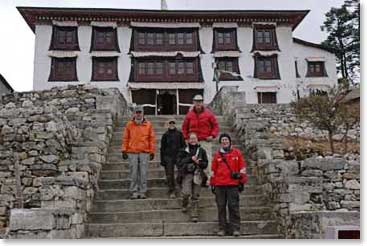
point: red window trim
(165, 46)
(274, 74)
(65, 74)
(311, 73)
(166, 76)
(260, 46)
(96, 47)
(54, 39)
(235, 68)
(225, 47)
(106, 60)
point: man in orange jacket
(138, 144)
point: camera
(235, 175)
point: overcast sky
(17, 39)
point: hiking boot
(142, 196)
(221, 233)
(172, 195)
(134, 196)
(194, 211)
(194, 219)
(236, 234)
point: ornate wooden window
(316, 69)
(225, 39)
(104, 69)
(64, 38)
(266, 97)
(265, 38)
(166, 69)
(266, 67)
(63, 69)
(104, 38)
(229, 64)
(158, 39)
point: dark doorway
(144, 96)
(167, 103)
(348, 234)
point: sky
(17, 39)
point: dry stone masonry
(52, 146)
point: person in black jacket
(192, 160)
(172, 141)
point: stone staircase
(115, 216)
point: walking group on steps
(190, 151)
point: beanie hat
(225, 135)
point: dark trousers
(170, 176)
(228, 196)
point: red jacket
(203, 124)
(221, 175)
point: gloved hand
(212, 188)
(124, 155)
(240, 187)
(151, 156)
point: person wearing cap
(191, 161)
(203, 122)
(226, 181)
(172, 141)
(138, 146)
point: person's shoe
(221, 233)
(134, 196)
(184, 209)
(194, 219)
(172, 195)
(142, 196)
(236, 234)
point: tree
(343, 28)
(322, 111)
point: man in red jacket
(203, 122)
(228, 176)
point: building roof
(314, 45)
(3, 80)
(45, 14)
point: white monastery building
(161, 58)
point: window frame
(57, 31)
(235, 68)
(95, 46)
(272, 45)
(311, 73)
(99, 60)
(273, 97)
(231, 46)
(66, 74)
(274, 74)
(168, 35)
(187, 64)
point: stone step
(160, 192)
(174, 215)
(254, 236)
(161, 130)
(174, 229)
(127, 205)
(151, 182)
(117, 140)
(122, 165)
(152, 173)
(115, 147)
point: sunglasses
(171, 122)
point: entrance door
(167, 103)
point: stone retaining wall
(52, 146)
(300, 191)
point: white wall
(287, 83)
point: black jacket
(172, 141)
(184, 161)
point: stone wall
(300, 190)
(52, 146)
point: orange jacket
(138, 138)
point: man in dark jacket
(192, 160)
(172, 141)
